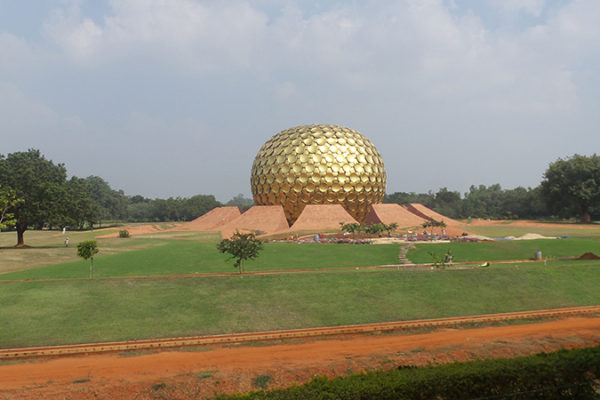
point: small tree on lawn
(241, 246)
(86, 250)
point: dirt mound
(316, 217)
(424, 212)
(533, 236)
(211, 220)
(258, 219)
(390, 213)
(589, 256)
(141, 229)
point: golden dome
(318, 164)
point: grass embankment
(75, 311)
(189, 257)
(503, 250)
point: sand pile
(533, 236)
(390, 213)
(321, 217)
(258, 219)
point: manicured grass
(185, 257)
(75, 311)
(504, 250)
(48, 248)
(552, 230)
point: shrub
(566, 374)
(124, 233)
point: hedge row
(565, 374)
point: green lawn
(74, 311)
(186, 256)
(504, 250)
(552, 230)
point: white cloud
(16, 53)
(531, 7)
(201, 36)
(405, 71)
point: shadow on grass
(27, 247)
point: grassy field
(504, 250)
(48, 247)
(550, 230)
(169, 256)
(119, 306)
(74, 311)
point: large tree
(109, 204)
(573, 185)
(8, 201)
(38, 182)
(75, 208)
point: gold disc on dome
(343, 167)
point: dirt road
(200, 372)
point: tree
(375, 229)
(352, 228)
(391, 227)
(8, 201)
(38, 182)
(241, 246)
(428, 224)
(572, 185)
(109, 203)
(75, 207)
(87, 249)
(242, 202)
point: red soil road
(389, 213)
(257, 218)
(196, 374)
(322, 217)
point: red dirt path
(197, 374)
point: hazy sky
(175, 97)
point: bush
(566, 374)
(124, 233)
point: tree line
(481, 201)
(35, 192)
(570, 188)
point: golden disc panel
(322, 164)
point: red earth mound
(427, 213)
(390, 213)
(258, 219)
(212, 220)
(322, 217)
(589, 256)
